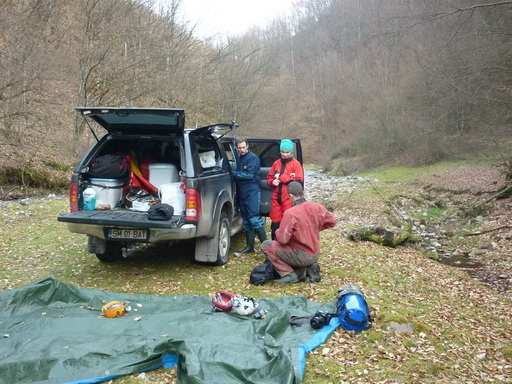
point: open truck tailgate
(118, 217)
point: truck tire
(223, 238)
(113, 252)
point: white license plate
(130, 234)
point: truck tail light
(193, 205)
(73, 197)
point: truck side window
(207, 155)
(230, 155)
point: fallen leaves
(462, 330)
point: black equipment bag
(160, 212)
(263, 273)
(109, 167)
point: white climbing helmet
(244, 305)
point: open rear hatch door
(137, 120)
(217, 131)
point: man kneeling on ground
(297, 243)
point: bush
(34, 177)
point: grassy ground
(462, 330)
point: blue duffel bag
(352, 308)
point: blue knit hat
(286, 145)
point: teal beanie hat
(286, 145)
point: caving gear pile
(51, 336)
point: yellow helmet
(113, 309)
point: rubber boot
(301, 273)
(273, 229)
(249, 243)
(288, 279)
(313, 273)
(261, 234)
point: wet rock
(480, 356)
(459, 252)
(380, 235)
(449, 232)
(476, 252)
(405, 328)
(486, 246)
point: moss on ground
(36, 177)
(408, 174)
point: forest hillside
(362, 83)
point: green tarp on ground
(47, 335)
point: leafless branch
(488, 230)
(471, 8)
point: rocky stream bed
(450, 219)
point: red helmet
(223, 301)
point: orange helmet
(114, 309)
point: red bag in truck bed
(144, 169)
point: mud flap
(96, 245)
(206, 249)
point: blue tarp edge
(318, 339)
(168, 360)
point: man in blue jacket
(247, 180)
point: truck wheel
(113, 252)
(223, 239)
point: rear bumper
(96, 223)
(186, 231)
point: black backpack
(109, 167)
(263, 273)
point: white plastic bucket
(173, 195)
(109, 192)
(142, 206)
(162, 173)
